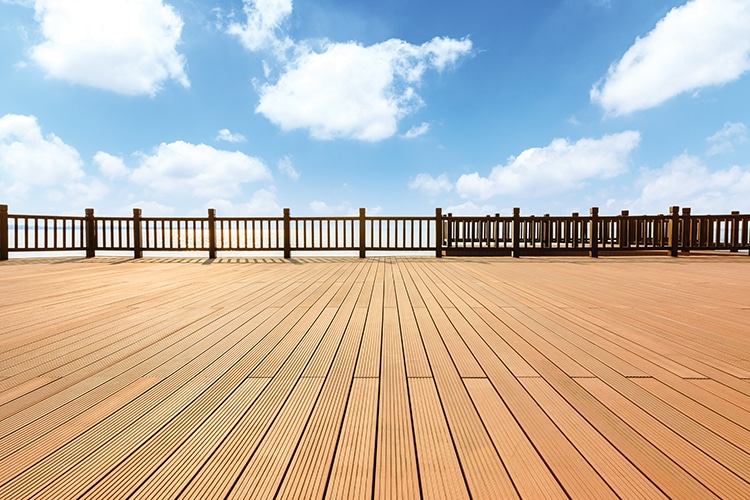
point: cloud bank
(198, 169)
(687, 182)
(562, 166)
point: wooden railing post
(137, 234)
(516, 232)
(674, 230)
(735, 244)
(4, 240)
(362, 233)
(287, 234)
(211, 233)
(448, 231)
(576, 232)
(687, 230)
(594, 232)
(90, 233)
(438, 232)
(623, 229)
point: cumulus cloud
(687, 182)
(28, 157)
(431, 185)
(323, 208)
(262, 28)
(287, 168)
(347, 90)
(225, 135)
(198, 169)
(125, 46)
(148, 209)
(699, 44)
(470, 208)
(724, 140)
(30, 160)
(261, 203)
(561, 166)
(111, 167)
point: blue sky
(324, 106)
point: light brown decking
(386, 377)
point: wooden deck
(384, 377)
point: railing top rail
(400, 217)
(263, 218)
(326, 218)
(58, 217)
(172, 219)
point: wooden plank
(626, 480)
(483, 468)
(311, 464)
(396, 473)
(531, 476)
(415, 356)
(265, 470)
(728, 426)
(368, 363)
(164, 474)
(439, 470)
(354, 464)
(695, 461)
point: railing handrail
(447, 234)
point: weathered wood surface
(383, 377)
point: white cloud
(262, 28)
(261, 203)
(431, 185)
(148, 209)
(125, 46)
(225, 135)
(111, 167)
(561, 166)
(417, 131)
(686, 182)
(700, 44)
(351, 91)
(287, 168)
(470, 208)
(323, 208)
(724, 140)
(28, 159)
(32, 164)
(198, 169)
(85, 193)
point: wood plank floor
(386, 377)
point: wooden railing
(447, 234)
